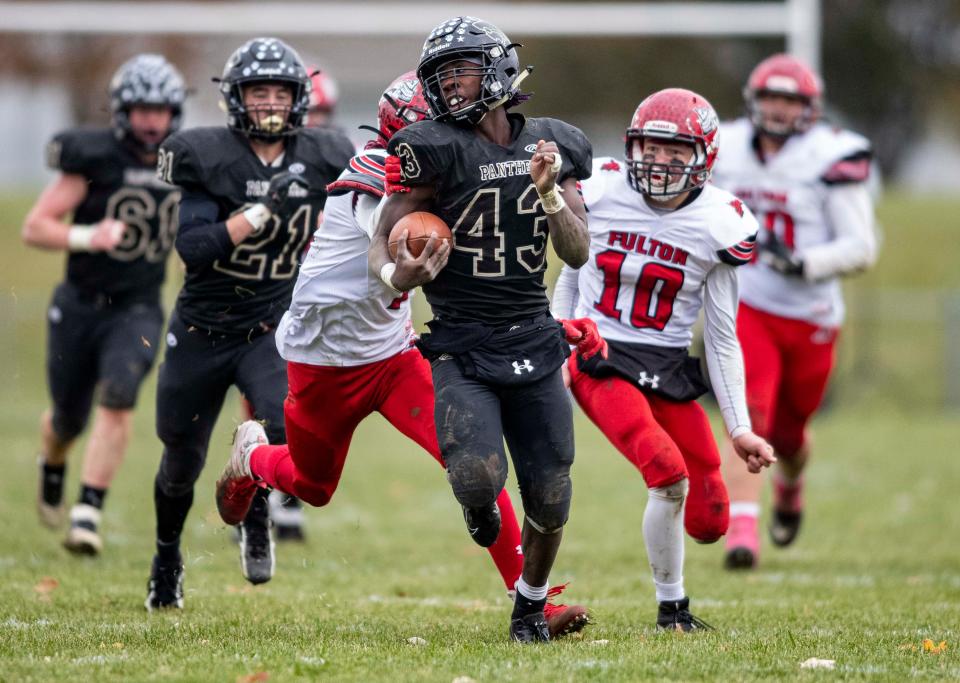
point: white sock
(663, 536)
(533, 593)
(743, 508)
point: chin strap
(521, 77)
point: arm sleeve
(724, 357)
(854, 247)
(201, 238)
(566, 294)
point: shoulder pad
(80, 150)
(364, 173)
(329, 145)
(854, 168)
(574, 144)
(426, 150)
(733, 228)
(178, 162)
(602, 172)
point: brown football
(419, 226)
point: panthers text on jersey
(120, 186)
(341, 314)
(486, 196)
(646, 271)
(249, 289)
(789, 194)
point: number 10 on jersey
(655, 291)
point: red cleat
(563, 620)
(236, 486)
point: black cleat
(740, 558)
(784, 527)
(165, 587)
(531, 628)
(256, 542)
(674, 615)
(483, 524)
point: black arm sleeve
(201, 239)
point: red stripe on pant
(322, 410)
(666, 440)
(787, 364)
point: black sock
(171, 515)
(523, 606)
(53, 483)
(92, 496)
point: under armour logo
(654, 381)
(518, 368)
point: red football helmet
(323, 96)
(676, 115)
(401, 104)
(783, 74)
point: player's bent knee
(67, 427)
(119, 395)
(179, 470)
(707, 514)
(672, 493)
(476, 479)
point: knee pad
(117, 394)
(477, 479)
(788, 443)
(179, 471)
(66, 426)
(546, 499)
(708, 507)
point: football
(419, 226)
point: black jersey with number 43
(250, 288)
(120, 186)
(486, 196)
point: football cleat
(236, 485)
(787, 512)
(50, 505)
(563, 620)
(674, 615)
(743, 543)
(531, 628)
(257, 557)
(83, 538)
(483, 524)
(165, 587)
(784, 527)
(287, 515)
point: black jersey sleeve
(201, 238)
(179, 164)
(78, 151)
(576, 150)
(425, 152)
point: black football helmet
(477, 41)
(145, 79)
(264, 60)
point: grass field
(875, 572)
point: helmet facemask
(492, 93)
(663, 181)
(799, 124)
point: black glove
(779, 257)
(279, 190)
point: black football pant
(473, 419)
(198, 369)
(97, 345)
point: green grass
(874, 573)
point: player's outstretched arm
(566, 215)
(725, 365)
(406, 272)
(45, 228)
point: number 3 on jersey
(657, 287)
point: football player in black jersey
(252, 192)
(503, 183)
(105, 318)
